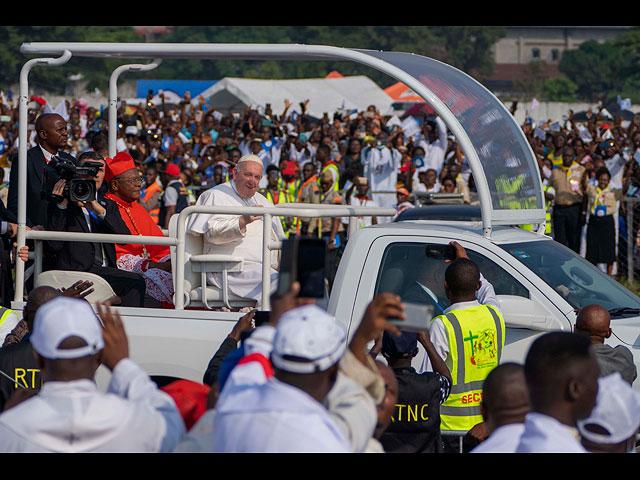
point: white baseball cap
(617, 411)
(310, 335)
(64, 317)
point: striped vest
(476, 340)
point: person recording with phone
(417, 392)
(95, 215)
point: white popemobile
(538, 282)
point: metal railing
(628, 240)
(178, 241)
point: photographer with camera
(84, 209)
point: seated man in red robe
(152, 261)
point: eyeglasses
(132, 181)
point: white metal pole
(266, 262)
(23, 100)
(113, 97)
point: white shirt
(47, 154)
(503, 439)
(434, 152)
(544, 434)
(356, 201)
(133, 416)
(421, 187)
(381, 168)
(274, 417)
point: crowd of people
(294, 383)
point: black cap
(403, 346)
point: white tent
(324, 94)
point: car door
(403, 259)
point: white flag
(625, 104)
(410, 127)
(584, 133)
(534, 104)
(61, 110)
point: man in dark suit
(52, 136)
(97, 216)
(8, 231)
(428, 286)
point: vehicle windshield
(577, 280)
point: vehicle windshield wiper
(624, 310)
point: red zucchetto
(121, 163)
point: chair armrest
(216, 263)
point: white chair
(102, 291)
(196, 266)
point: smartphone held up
(303, 260)
(417, 318)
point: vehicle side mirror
(521, 312)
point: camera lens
(81, 191)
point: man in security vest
(469, 336)
(151, 193)
(323, 158)
(275, 194)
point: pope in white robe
(238, 235)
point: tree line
(593, 72)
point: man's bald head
(51, 131)
(47, 119)
(505, 398)
(38, 297)
(594, 321)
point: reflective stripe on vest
(461, 411)
(4, 313)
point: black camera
(80, 184)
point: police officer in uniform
(415, 425)
(175, 197)
(469, 337)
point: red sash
(139, 222)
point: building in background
(526, 44)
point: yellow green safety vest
(292, 188)
(283, 197)
(547, 227)
(476, 339)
